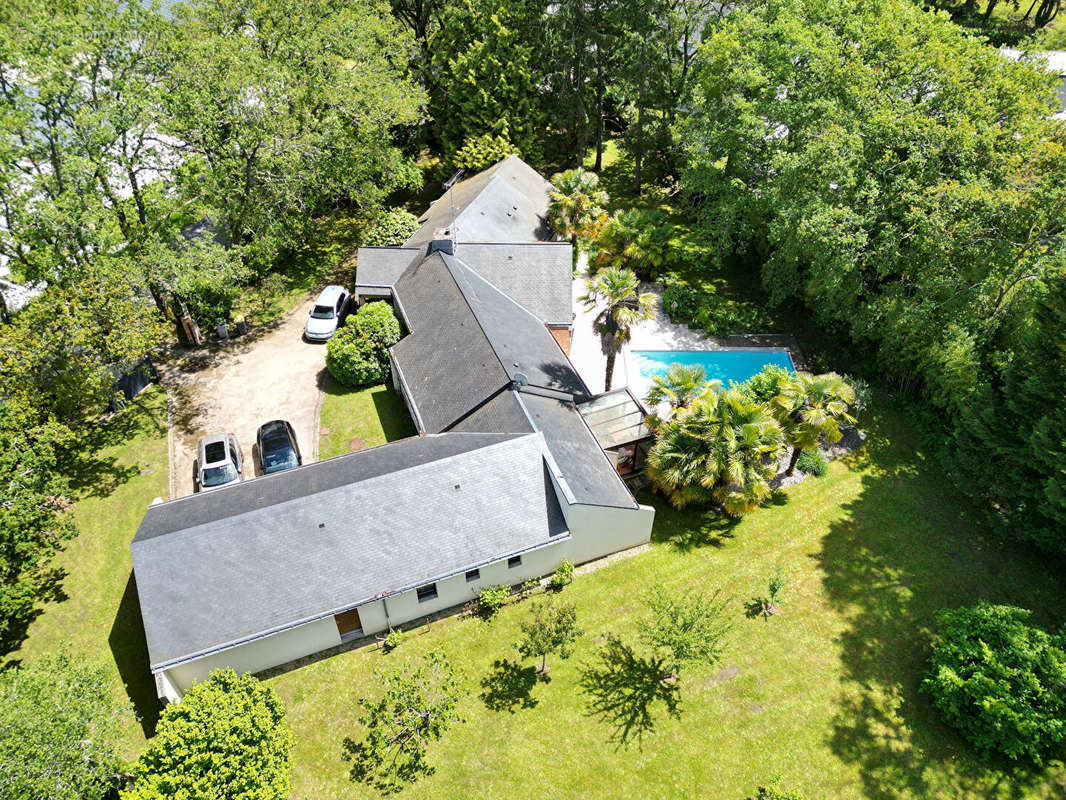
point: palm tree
(679, 386)
(724, 448)
(634, 239)
(624, 306)
(575, 204)
(811, 408)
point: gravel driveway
(236, 386)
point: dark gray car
(278, 449)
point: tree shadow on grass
(907, 546)
(624, 687)
(130, 651)
(689, 528)
(509, 686)
(92, 473)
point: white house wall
(260, 654)
(598, 531)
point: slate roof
(468, 341)
(258, 557)
(382, 266)
(508, 202)
(502, 414)
(591, 477)
(538, 276)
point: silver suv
(219, 462)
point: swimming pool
(724, 365)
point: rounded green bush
(391, 228)
(357, 354)
(999, 680)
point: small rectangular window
(473, 575)
(514, 561)
(427, 592)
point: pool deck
(657, 334)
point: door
(348, 622)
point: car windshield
(278, 455)
(322, 312)
(216, 476)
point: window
(514, 561)
(340, 302)
(427, 592)
(473, 575)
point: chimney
(441, 245)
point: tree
(286, 108)
(811, 408)
(575, 205)
(59, 354)
(418, 706)
(624, 686)
(481, 152)
(678, 386)
(723, 448)
(487, 62)
(998, 679)
(634, 239)
(549, 629)
(84, 171)
(227, 738)
(688, 629)
(623, 306)
(59, 730)
(33, 525)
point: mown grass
(825, 694)
(365, 416)
(123, 467)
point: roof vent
(440, 245)
(520, 379)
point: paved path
(236, 386)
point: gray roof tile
(233, 578)
(536, 275)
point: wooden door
(348, 621)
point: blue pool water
(723, 365)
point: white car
(219, 462)
(327, 314)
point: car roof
(329, 295)
(218, 438)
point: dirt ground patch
(236, 386)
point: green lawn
(825, 694)
(373, 415)
(125, 468)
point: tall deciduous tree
(622, 305)
(226, 738)
(283, 108)
(33, 525)
(59, 730)
(84, 169)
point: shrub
(393, 639)
(226, 738)
(998, 679)
(699, 305)
(564, 574)
(479, 152)
(813, 463)
(391, 228)
(357, 354)
(490, 600)
(773, 791)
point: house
(496, 222)
(505, 480)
